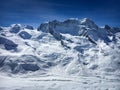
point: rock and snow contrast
(73, 54)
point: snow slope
(62, 50)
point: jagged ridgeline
(74, 46)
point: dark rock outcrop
(29, 27)
(15, 28)
(25, 35)
(8, 44)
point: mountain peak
(86, 20)
(15, 28)
(70, 26)
(15, 25)
(88, 23)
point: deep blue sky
(36, 11)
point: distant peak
(86, 20)
(16, 25)
(89, 23)
(107, 27)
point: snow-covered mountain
(73, 46)
(71, 53)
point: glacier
(58, 55)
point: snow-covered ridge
(73, 46)
(84, 27)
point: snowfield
(60, 83)
(73, 54)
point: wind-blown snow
(62, 53)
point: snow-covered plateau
(60, 55)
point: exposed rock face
(1, 28)
(52, 26)
(25, 35)
(43, 27)
(107, 27)
(19, 64)
(115, 29)
(84, 27)
(8, 44)
(70, 26)
(15, 28)
(29, 27)
(89, 23)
